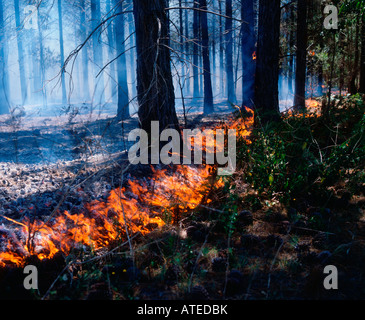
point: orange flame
(136, 209)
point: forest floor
(64, 166)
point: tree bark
(4, 92)
(111, 51)
(301, 63)
(23, 82)
(248, 48)
(362, 67)
(62, 54)
(267, 65)
(123, 92)
(221, 49)
(196, 36)
(229, 53)
(85, 58)
(155, 88)
(355, 67)
(208, 91)
(41, 56)
(97, 53)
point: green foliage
(305, 155)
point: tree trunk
(355, 68)
(301, 65)
(248, 47)
(97, 53)
(362, 67)
(155, 88)
(229, 53)
(4, 93)
(62, 54)
(41, 56)
(208, 91)
(187, 51)
(111, 52)
(221, 49)
(267, 65)
(23, 82)
(214, 51)
(291, 58)
(196, 37)
(123, 92)
(132, 51)
(85, 58)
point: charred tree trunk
(155, 86)
(267, 66)
(208, 90)
(248, 48)
(301, 64)
(123, 92)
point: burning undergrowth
(138, 208)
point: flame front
(135, 209)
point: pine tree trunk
(229, 53)
(132, 51)
(362, 67)
(355, 68)
(196, 51)
(267, 65)
(111, 52)
(42, 65)
(208, 91)
(156, 96)
(187, 51)
(221, 50)
(4, 93)
(62, 54)
(123, 92)
(97, 53)
(23, 82)
(301, 64)
(85, 58)
(248, 48)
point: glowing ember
(254, 57)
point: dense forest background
(84, 52)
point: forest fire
(313, 107)
(138, 208)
